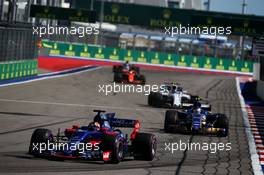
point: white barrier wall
(260, 89)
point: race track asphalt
(61, 102)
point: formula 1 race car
(120, 68)
(197, 121)
(172, 95)
(128, 75)
(100, 140)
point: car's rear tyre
(117, 68)
(136, 69)
(115, 145)
(142, 78)
(156, 99)
(151, 99)
(144, 146)
(209, 108)
(222, 123)
(39, 136)
(118, 77)
(171, 118)
(114, 68)
(185, 100)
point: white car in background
(172, 95)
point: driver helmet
(101, 122)
(100, 118)
(198, 110)
(174, 89)
(126, 65)
(94, 126)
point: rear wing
(124, 123)
(205, 106)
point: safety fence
(146, 57)
(18, 69)
(18, 50)
(17, 42)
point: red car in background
(128, 74)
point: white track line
(251, 141)
(80, 105)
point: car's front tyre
(116, 146)
(223, 124)
(118, 77)
(40, 137)
(171, 118)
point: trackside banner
(18, 69)
(146, 57)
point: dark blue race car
(196, 120)
(100, 140)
